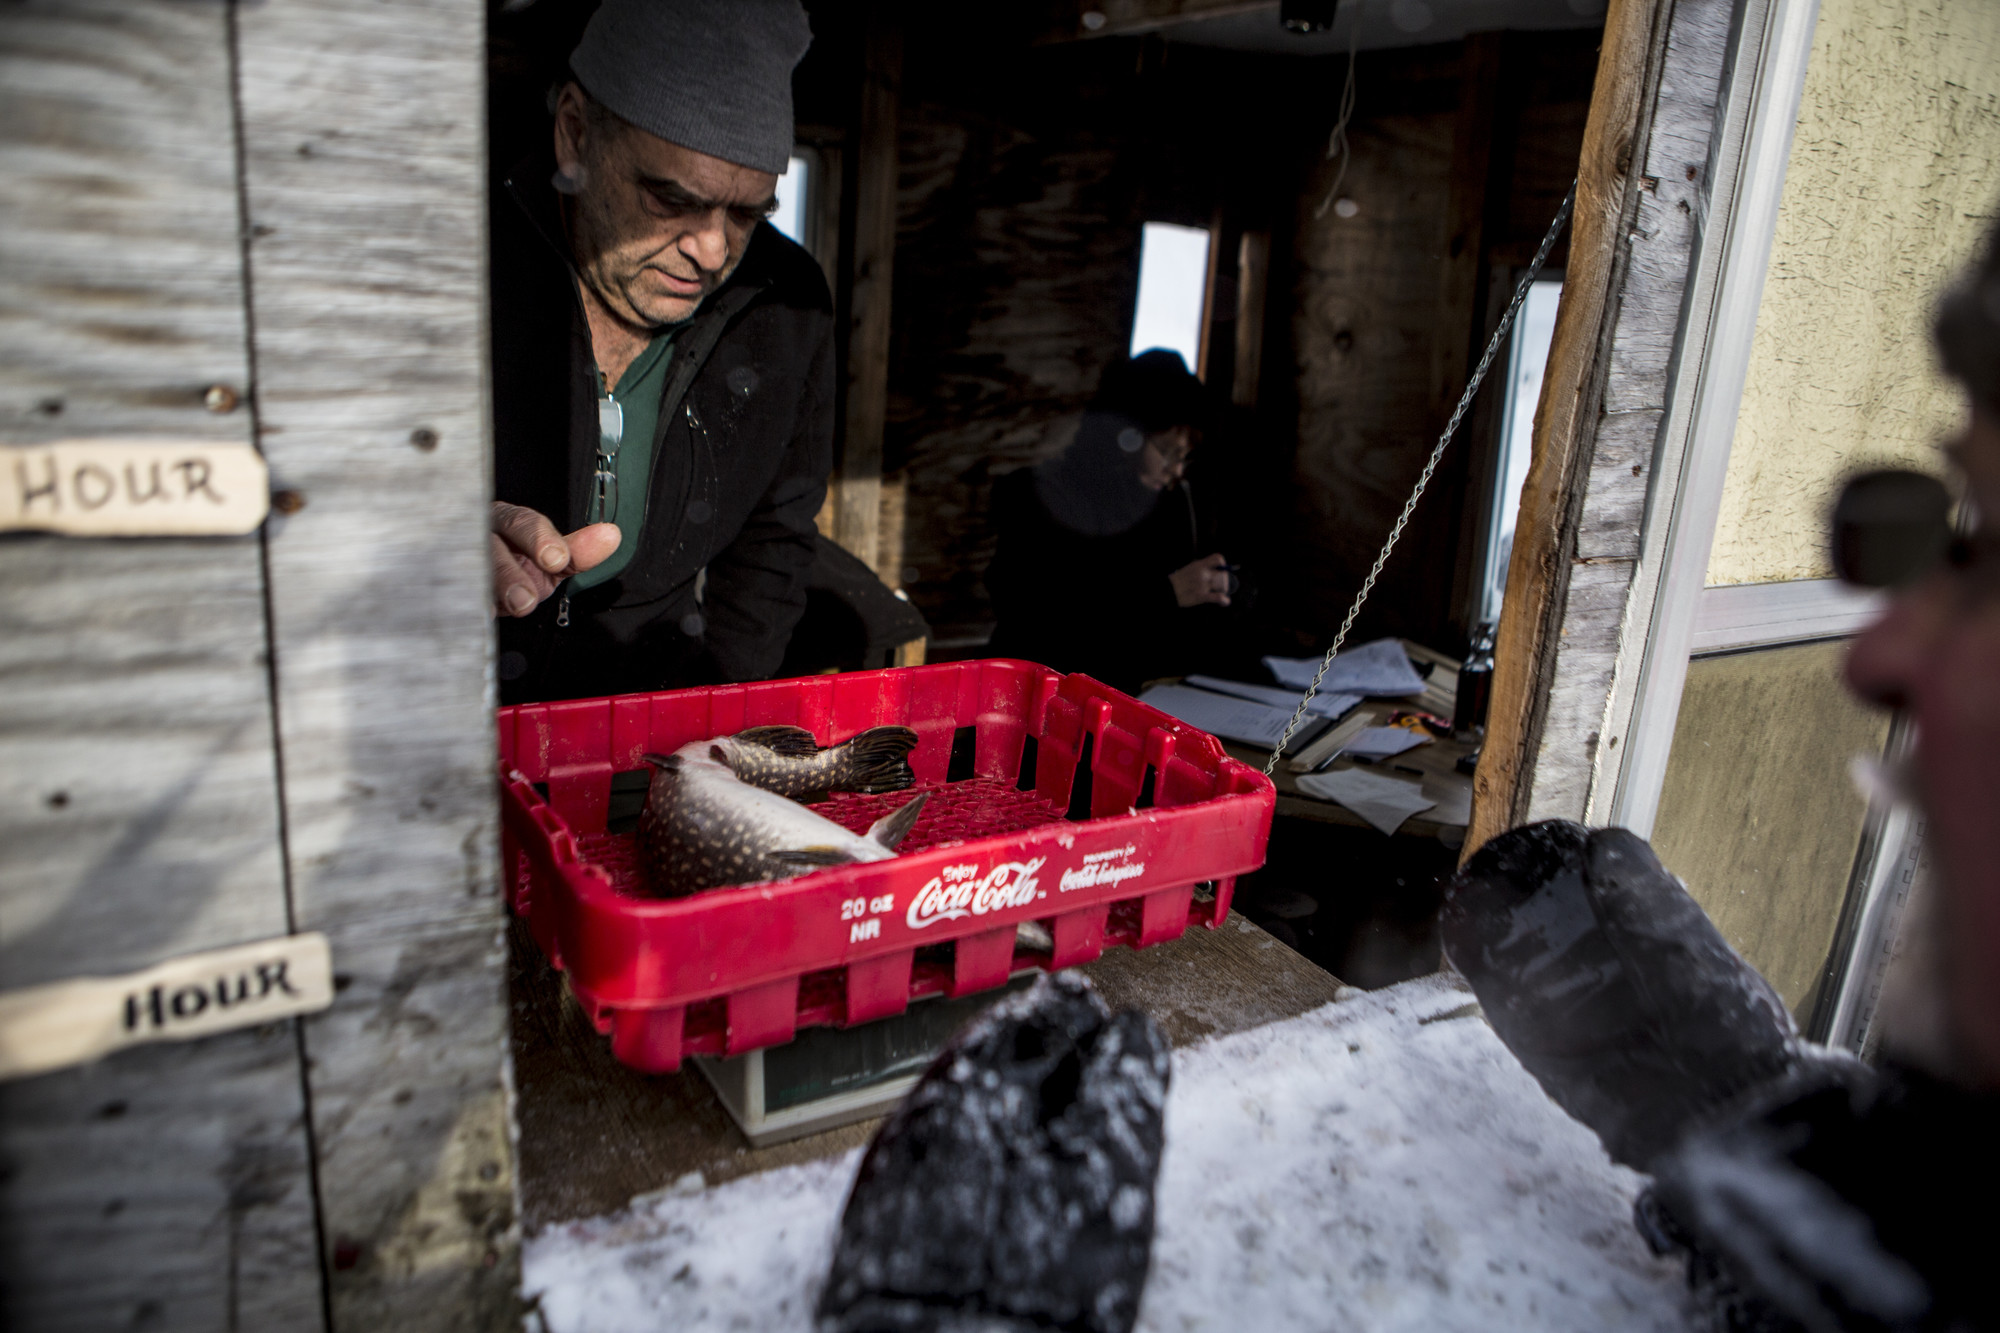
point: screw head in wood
(424, 438)
(288, 502)
(220, 398)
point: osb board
(364, 184)
(1025, 185)
(1017, 264)
(1365, 334)
(1892, 184)
(993, 361)
(1369, 331)
(164, 1186)
(1758, 814)
(594, 1133)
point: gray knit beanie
(711, 75)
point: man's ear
(572, 131)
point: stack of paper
(1383, 802)
(1220, 715)
(1323, 704)
(1381, 667)
(1381, 742)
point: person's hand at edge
(531, 559)
(1203, 580)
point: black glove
(1013, 1188)
(1863, 1205)
(1613, 988)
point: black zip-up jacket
(740, 459)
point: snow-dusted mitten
(1614, 989)
(1864, 1205)
(1013, 1188)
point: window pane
(1526, 360)
(792, 188)
(1173, 282)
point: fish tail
(877, 760)
(891, 829)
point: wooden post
(365, 193)
(1253, 281)
(858, 476)
(1465, 220)
(220, 741)
(1538, 572)
(1208, 296)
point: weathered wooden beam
(1539, 571)
(1208, 296)
(1253, 286)
(1607, 606)
(164, 1186)
(1465, 219)
(858, 475)
(365, 192)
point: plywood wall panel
(1016, 269)
(1365, 335)
(164, 1186)
(365, 185)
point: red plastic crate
(733, 969)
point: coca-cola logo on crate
(961, 891)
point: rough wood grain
(1638, 210)
(165, 1186)
(857, 481)
(1253, 289)
(1391, 301)
(1669, 200)
(594, 1133)
(1470, 188)
(365, 189)
(994, 361)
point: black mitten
(1612, 986)
(1013, 1188)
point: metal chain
(1424, 478)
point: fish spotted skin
(788, 761)
(704, 827)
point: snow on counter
(1380, 1163)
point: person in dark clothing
(663, 363)
(1806, 1190)
(1104, 565)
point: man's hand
(1203, 580)
(530, 557)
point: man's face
(656, 226)
(1936, 652)
(1164, 459)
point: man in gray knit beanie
(643, 308)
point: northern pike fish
(717, 811)
(788, 761)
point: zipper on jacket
(562, 612)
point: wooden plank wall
(1023, 193)
(1387, 314)
(207, 742)
(1016, 270)
(855, 492)
(368, 289)
(166, 1186)
(1583, 507)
